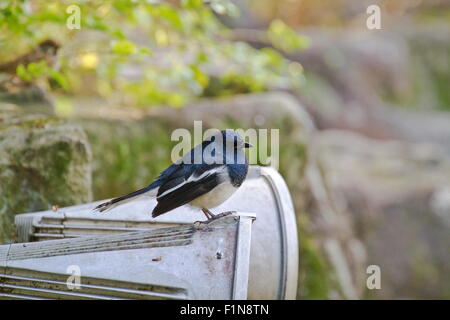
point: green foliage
(145, 53)
(35, 70)
(314, 273)
(286, 39)
(124, 47)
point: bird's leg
(216, 216)
(209, 215)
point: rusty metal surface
(274, 243)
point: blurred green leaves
(143, 52)
(286, 39)
(35, 70)
(123, 47)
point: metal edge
(4, 253)
(242, 255)
(24, 227)
(288, 290)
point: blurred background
(90, 92)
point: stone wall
(44, 161)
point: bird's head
(224, 146)
(230, 139)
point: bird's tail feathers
(124, 199)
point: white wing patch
(193, 178)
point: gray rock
(44, 161)
(397, 195)
(30, 96)
(357, 79)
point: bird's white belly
(215, 197)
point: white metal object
(274, 245)
(183, 262)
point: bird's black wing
(187, 185)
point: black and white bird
(203, 178)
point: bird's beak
(247, 145)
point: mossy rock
(44, 161)
(29, 97)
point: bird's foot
(223, 214)
(212, 217)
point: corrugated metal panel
(202, 261)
